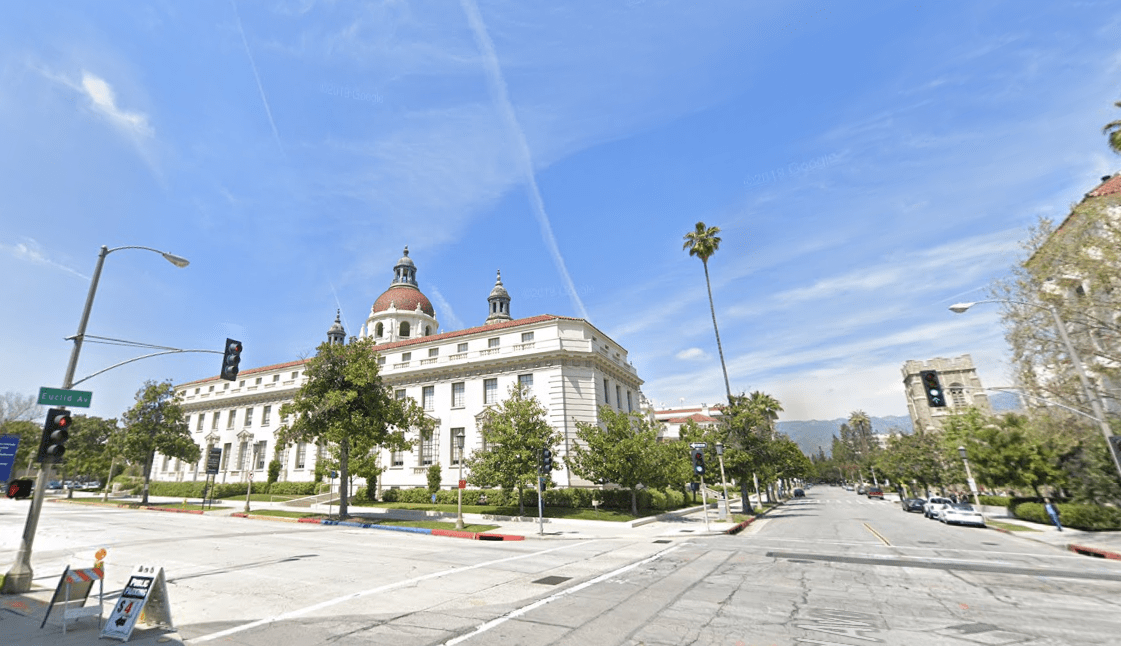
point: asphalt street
(832, 568)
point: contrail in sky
(260, 88)
(502, 99)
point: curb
(450, 533)
(1093, 551)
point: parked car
(914, 504)
(848, 487)
(860, 490)
(934, 505)
(961, 513)
(798, 493)
(875, 492)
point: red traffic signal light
(20, 488)
(231, 357)
(56, 430)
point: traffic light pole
(18, 578)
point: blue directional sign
(8, 446)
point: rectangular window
(406, 356)
(526, 381)
(381, 361)
(241, 384)
(457, 394)
(214, 422)
(630, 407)
(492, 343)
(301, 454)
(230, 419)
(428, 447)
(490, 391)
(295, 374)
(399, 394)
(397, 458)
(249, 416)
(226, 455)
(462, 347)
(606, 394)
(211, 389)
(458, 436)
(433, 352)
(261, 446)
(199, 427)
(428, 397)
(242, 456)
(527, 337)
(166, 460)
(275, 378)
(265, 415)
(618, 396)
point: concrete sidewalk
(1095, 544)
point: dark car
(875, 492)
(798, 493)
(914, 504)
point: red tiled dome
(404, 297)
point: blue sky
(868, 163)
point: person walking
(1053, 512)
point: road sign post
(64, 397)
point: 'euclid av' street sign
(60, 397)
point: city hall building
(571, 367)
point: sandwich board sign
(71, 593)
(145, 599)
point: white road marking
(383, 588)
(537, 604)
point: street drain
(663, 540)
(797, 561)
(552, 580)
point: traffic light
(231, 356)
(933, 389)
(56, 430)
(19, 488)
(698, 462)
(546, 461)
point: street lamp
(1095, 405)
(459, 440)
(723, 481)
(18, 578)
(969, 476)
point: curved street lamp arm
(154, 354)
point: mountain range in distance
(811, 434)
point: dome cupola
(498, 302)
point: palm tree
(767, 408)
(702, 243)
(1112, 131)
(861, 426)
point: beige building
(961, 388)
(569, 365)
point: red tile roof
(1111, 186)
(403, 297)
(696, 417)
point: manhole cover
(552, 580)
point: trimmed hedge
(195, 489)
(1077, 516)
(574, 498)
(995, 501)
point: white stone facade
(570, 367)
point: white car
(961, 513)
(935, 505)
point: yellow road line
(876, 534)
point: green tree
(514, 432)
(87, 451)
(1112, 131)
(155, 423)
(621, 449)
(345, 403)
(20, 415)
(749, 437)
(703, 242)
(434, 476)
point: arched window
(427, 330)
(379, 330)
(404, 328)
(957, 395)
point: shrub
(274, 471)
(1074, 515)
(293, 488)
(175, 489)
(434, 476)
(995, 501)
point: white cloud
(104, 101)
(692, 354)
(31, 251)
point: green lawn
(1010, 526)
(530, 511)
(262, 497)
(424, 524)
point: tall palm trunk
(719, 347)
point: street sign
(698, 445)
(213, 460)
(60, 397)
(8, 446)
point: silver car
(935, 505)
